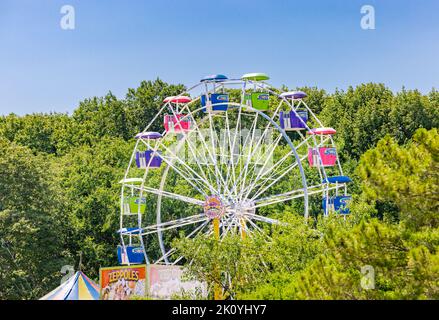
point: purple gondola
(148, 159)
(293, 120)
(148, 135)
(294, 95)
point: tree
(407, 176)
(48, 133)
(88, 178)
(399, 265)
(316, 98)
(31, 253)
(231, 264)
(396, 263)
(145, 102)
(361, 117)
(412, 111)
(99, 117)
(249, 263)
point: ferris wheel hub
(214, 207)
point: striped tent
(78, 287)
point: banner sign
(164, 281)
(121, 283)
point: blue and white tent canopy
(78, 287)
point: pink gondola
(148, 135)
(167, 99)
(328, 155)
(178, 99)
(177, 124)
(322, 131)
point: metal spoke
(172, 250)
(256, 181)
(189, 174)
(174, 224)
(191, 148)
(262, 218)
(168, 195)
(290, 195)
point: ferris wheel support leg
(243, 228)
(217, 295)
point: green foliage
(412, 111)
(32, 251)
(100, 117)
(402, 271)
(407, 176)
(232, 264)
(145, 101)
(88, 179)
(48, 133)
(356, 114)
(316, 98)
(328, 261)
(364, 115)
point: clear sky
(116, 44)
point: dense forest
(59, 200)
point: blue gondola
(337, 204)
(294, 95)
(130, 255)
(214, 78)
(337, 179)
(129, 231)
(217, 101)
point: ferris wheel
(218, 159)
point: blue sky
(116, 44)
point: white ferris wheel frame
(201, 180)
